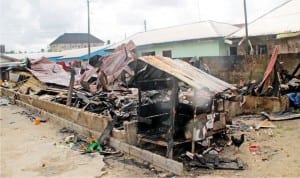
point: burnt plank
(156, 84)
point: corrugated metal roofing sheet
(199, 30)
(74, 54)
(187, 73)
(50, 72)
(283, 19)
(35, 55)
(80, 54)
(7, 61)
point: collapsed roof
(187, 73)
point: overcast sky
(29, 25)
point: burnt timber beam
(174, 103)
(296, 70)
(156, 84)
(72, 80)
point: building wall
(286, 45)
(187, 49)
(232, 69)
(68, 46)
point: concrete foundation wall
(232, 69)
(85, 119)
(286, 45)
(256, 105)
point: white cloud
(29, 25)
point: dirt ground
(29, 150)
(279, 154)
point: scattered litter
(12, 122)
(94, 146)
(215, 162)
(281, 116)
(190, 155)
(69, 139)
(294, 99)
(270, 132)
(213, 152)
(29, 115)
(4, 102)
(37, 121)
(265, 124)
(109, 151)
(254, 149)
(66, 130)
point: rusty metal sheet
(6, 61)
(187, 73)
(271, 65)
(50, 72)
(114, 64)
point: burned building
(183, 107)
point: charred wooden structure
(167, 120)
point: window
(262, 49)
(152, 53)
(233, 51)
(167, 53)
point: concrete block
(136, 152)
(174, 166)
(124, 147)
(159, 161)
(131, 132)
(118, 134)
(114, 143)
(147, 156)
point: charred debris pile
(174, 105)
(277, 81)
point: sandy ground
(29, 150)
(279, 154)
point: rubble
(276, 80)
(164, 102)
(281, 116)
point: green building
(205, 38)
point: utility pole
(246, 28)
(89, 42)
(247, 41)
(145, 25)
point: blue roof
(81, 56)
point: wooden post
(72, 80)
(194, 128)
(174, 101)
(140, 104)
